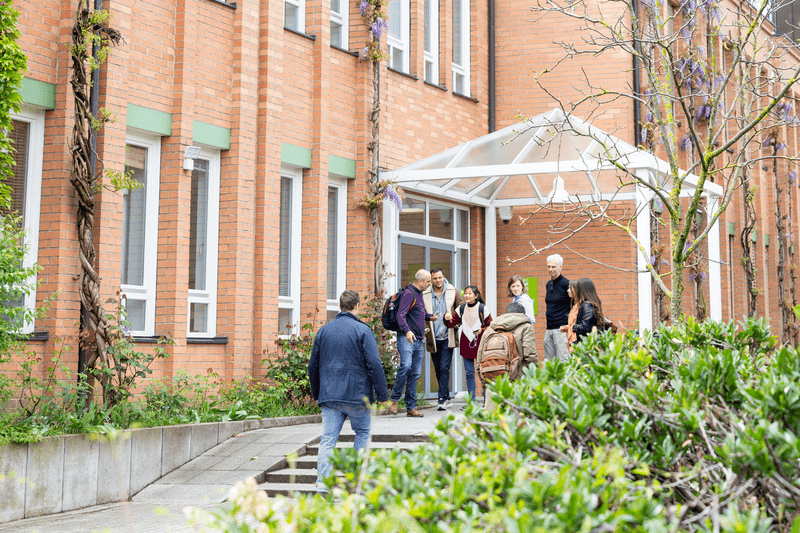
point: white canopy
(518, 165)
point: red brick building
(261, 228)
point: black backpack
(390, 308)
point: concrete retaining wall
(75, 471)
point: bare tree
(714, 84)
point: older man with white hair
(558, 306)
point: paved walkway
(204, 481)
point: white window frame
(301, 14)
(209, 295)
(432, 56)
(403, 43)
(147, 291)
(464, 68)
(292, 302)
(33, 196)
(342, 18)
(341, 243)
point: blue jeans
(469, 370)
(409, 371)
(442, 358)
(333, 417)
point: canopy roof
(520, 164)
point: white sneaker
(441, 407)
(447, 404)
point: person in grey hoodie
(519, 325)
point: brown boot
(415, 413)
(393, 408)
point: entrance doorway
(434, 235)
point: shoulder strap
(480, 312)
(461, 310)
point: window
(431, 51)
(339, 23)
(27, 136)
(294, 15)
(337, 243)
(289, 253)
(140, 233)
(203, 240)
(461, 47)
(399, 35)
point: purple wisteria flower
(687, 142)
(652, 260)
(693, 276)
(364, 53)
(649, 116)
(780, 146)
(392, 195)
(125, 329)
(792, 181)
(362, 8)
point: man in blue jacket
(345, 367)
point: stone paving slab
(183, 494)
(125, 517)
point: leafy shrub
(691, 428)
(288, 369)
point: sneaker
(393, 408)
(464, 407)
(414, 413)
(447, 404)
(441, 407)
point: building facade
(258, 232)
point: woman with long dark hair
(572, 317)
(473, 318)
(590, 310)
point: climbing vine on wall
(373, 13)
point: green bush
(690, 428)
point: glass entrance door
(414, 255)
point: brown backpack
(499, 355)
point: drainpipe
(637, 111)
(492, 80)
(94, 104)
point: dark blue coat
(345, 363)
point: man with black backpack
(411, 318)
(508, 346)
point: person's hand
(410, 336)
(564, 329)
(435, 317)
(448, 316)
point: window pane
(285, 320)
(412, 258)
(457, 32)
(198, 226)
(427, 25)
(136, 314)
(19, 137)
(429, 72)
(412, 217)
(333, 199)
(463, 234)
(134, 216)
(284, 261)
(290, 16)
(336, 34)
(442, 259)
(395, 19)
(335, 6)
(458, 84)
(463, 268)
(331, 315)
(198, 315)
(440, 221)
(397, 59)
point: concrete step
(287, 489)
(350, 437)
(314, 450)
(293, 475)
(306, 462)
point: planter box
(70, 472)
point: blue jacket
(345, 363)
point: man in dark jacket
(345, 367)
(411, 316)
